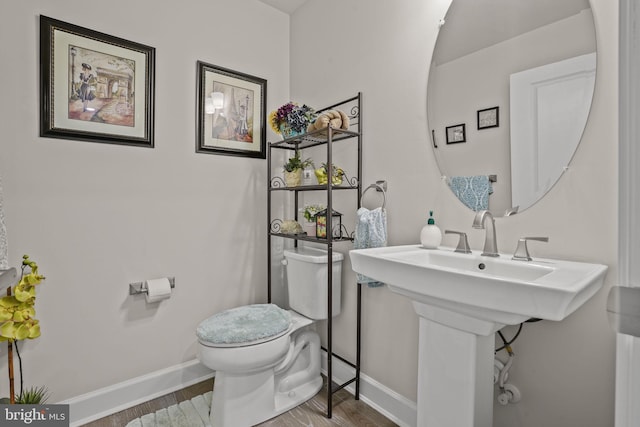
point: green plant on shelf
(336, 174)
(310, 211)
(294, 163)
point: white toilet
(266, 359)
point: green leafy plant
(33, 396)
(310, 211)
(295, 163)
(336, 170)
(336, 175)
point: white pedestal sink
(462, 300)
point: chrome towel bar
(380, 186)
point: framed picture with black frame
(456, 134)
(95, 86)
(230, 112)
(489, 118)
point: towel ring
(378, 187)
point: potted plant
(18, 322)
(293, 169)
(336, 175)
(291, 119)
(309, 213)
(29, 396)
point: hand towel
(371, 232)
(4, 250)
(473, 191)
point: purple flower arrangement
(291, 118)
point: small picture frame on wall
(456, 134)
(489, 118)
(230, 112)
(94, 86)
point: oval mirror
(509, 92)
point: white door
(628, 347)
(549, 106)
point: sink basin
(499, 290)
(461, 301)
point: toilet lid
(247, 325)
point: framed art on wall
(230, 112)
(94, 86)
(489, 118)
(456, 134)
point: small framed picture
(489, 118)
(231, 112)
(456, 134)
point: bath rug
(190, 413)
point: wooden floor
(347, 411)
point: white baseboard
(118, 397)
(109, 400)
(392, 405)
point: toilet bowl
(267, 359)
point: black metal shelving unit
(327, 137)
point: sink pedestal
(455, 370)
(462, 300)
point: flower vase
(294, 178)
(322, 178)
(309, 228)
(287, 132)
(336, 180)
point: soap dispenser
(430, 236)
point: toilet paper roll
(158, 289)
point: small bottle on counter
(430, 236)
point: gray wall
(564, 370)
(97, 217)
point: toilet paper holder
(141, 287)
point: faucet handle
(463, 243)
(512, 211)
(522, 251)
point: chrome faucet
(463, 242)
(522, 251)
(512, 211)
(490, 244)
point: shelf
(326, 137)
(275, 230)
(316, 137)
(276, 182)
(304, 237)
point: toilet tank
(307, 277)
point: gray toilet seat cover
(244, 325)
